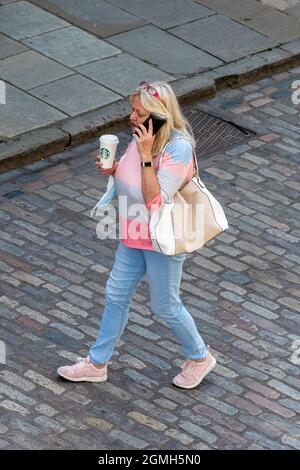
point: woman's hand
(144, 141)
(105, 171)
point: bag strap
(196, 172)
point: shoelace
(190, 363)
(188, 368)
(86, 359)
(79, 363)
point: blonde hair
(170, 110)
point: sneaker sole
(85, 379)
(200, 380)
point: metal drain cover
(213, 134)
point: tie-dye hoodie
(175, 170)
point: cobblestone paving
(242, 289)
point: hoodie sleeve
(174, 168)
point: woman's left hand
(144, 141)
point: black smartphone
(157, 123)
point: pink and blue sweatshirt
(176, 169)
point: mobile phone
(157, 123)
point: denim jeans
(164, 276)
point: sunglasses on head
(151, 90)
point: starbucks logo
(105, 154)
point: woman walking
(141, 180)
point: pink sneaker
(83, 371)
(193, 372)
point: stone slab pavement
(67, 67)
(242, 289)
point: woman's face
(138, 113)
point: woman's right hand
(106, 171)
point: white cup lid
(109, 138)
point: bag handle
(196, 172)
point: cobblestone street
(242, 289)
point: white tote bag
(188, 220)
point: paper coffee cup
(108, 147)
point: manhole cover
(213, 134)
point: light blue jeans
(164, 276)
